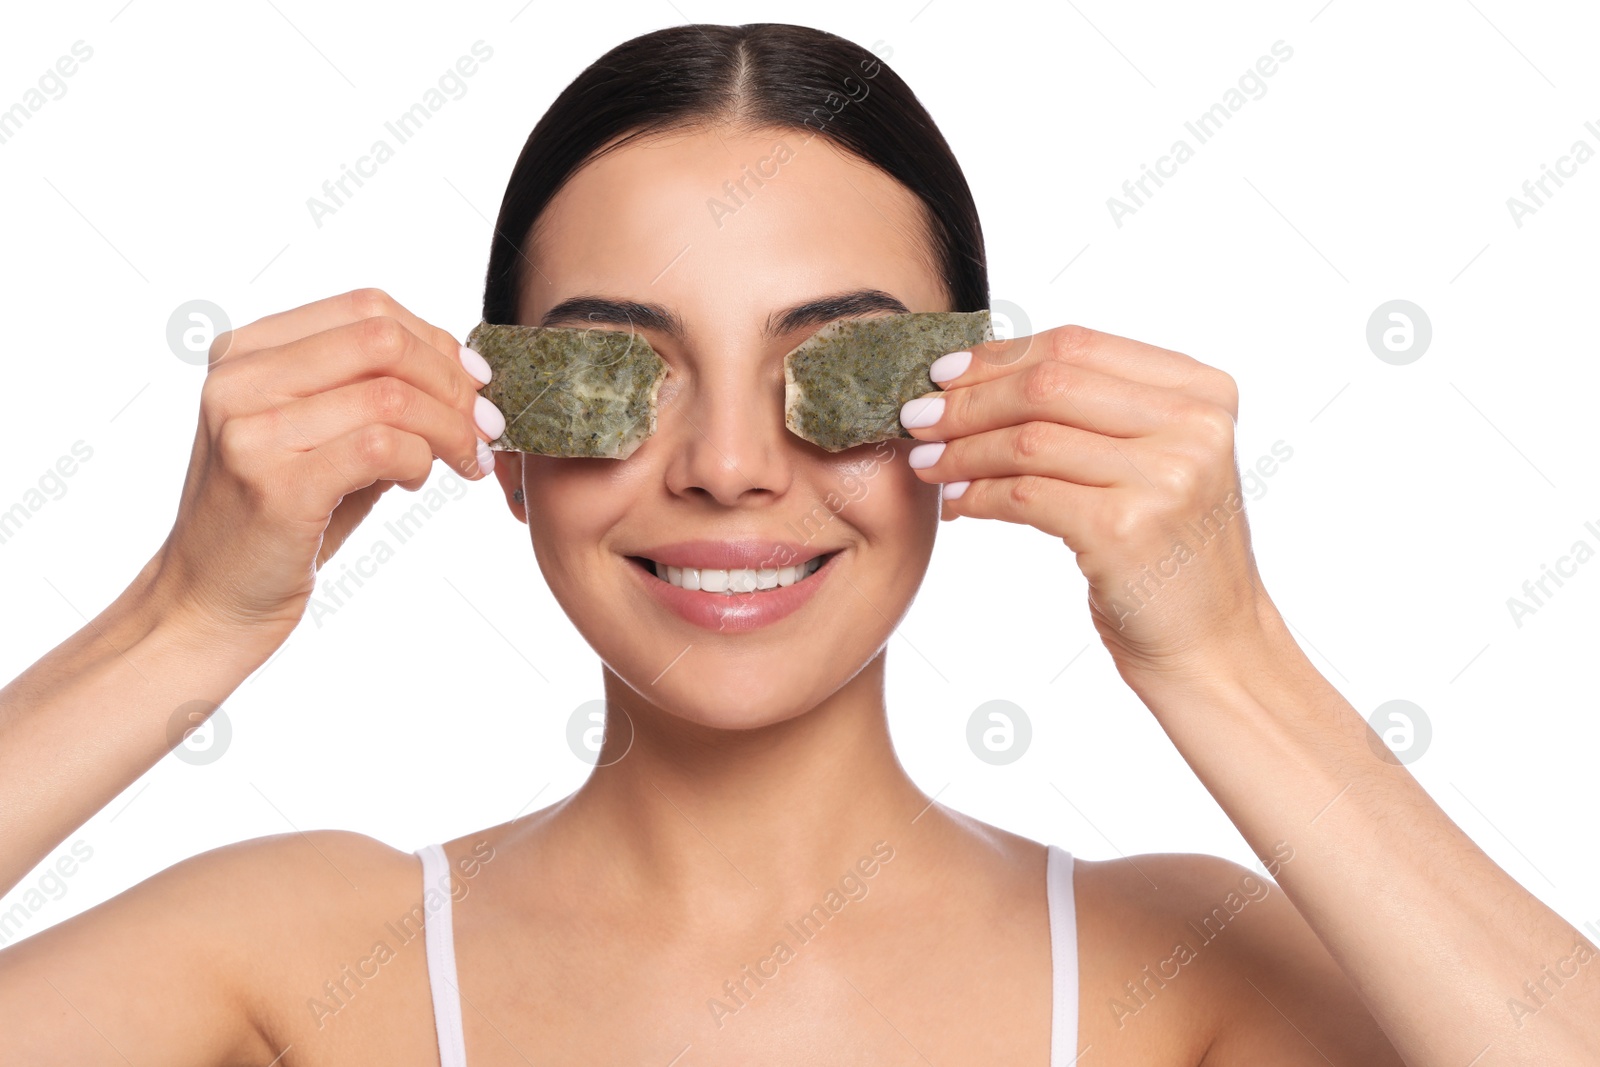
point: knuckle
(1045, 382)
(1025, 490)
(236, 442)
(1124, 525)
(387, 398)
(369, 303)
(1069, 342)
(1032, 440)
(1215, 426)
(1176, 477)
(383, 338)
(1228, 391)
(376, 445)
(219, 347)
(216, 400)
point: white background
(1377, 166)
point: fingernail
(485, 457)
(923, 411)
(476, 365)
(954, 489)
(925, 455)
(488, 417)
(952, 366)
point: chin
(724, 697)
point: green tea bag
(570, 392)
(845, 384)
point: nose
(726, 429)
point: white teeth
(736, 580)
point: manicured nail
(954, 489)
(485, 457)
(925, 454)
(476, 365)
(923, 411)
(488, 417)
(952, 366)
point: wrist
(153, 605)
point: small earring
(516, 494)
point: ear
(508, 469)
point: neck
(761, 817)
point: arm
(1126, 452)
(1438, 940)
(98, 710)
(306, 418)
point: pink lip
(740, 612)
(728, 555)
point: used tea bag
(845, 384)
(570, 392)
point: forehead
(725, 225)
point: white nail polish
(954, 489)
(925, 454)
(921, 411)
(488, 418)
(476, 365)
(485, 457)
(950, 366)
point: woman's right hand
(306, 418)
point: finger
(367, 454)
(1046, 448)
(1061, 509)
(1094, 350)
(346, 354)
(310, 422)
(1050, 391)
(277, 329)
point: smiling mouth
(731, 581)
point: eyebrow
(594, 310)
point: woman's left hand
(1125, 452)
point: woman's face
(729, 248)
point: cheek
(881, 496)
(573, 502)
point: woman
(749, 875)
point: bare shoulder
(235, 953)
(1195, 959)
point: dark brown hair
(764, 75)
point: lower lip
(740, 612)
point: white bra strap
(1063, 958)
(441, 942)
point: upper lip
(752, 554)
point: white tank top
(440, 939)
